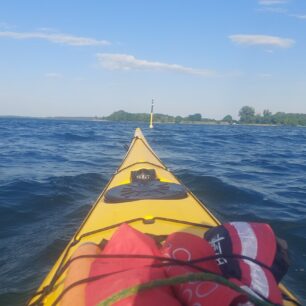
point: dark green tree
(194, 117)
(267, 113)
(178, 119)
(228, 118)
(247, 114)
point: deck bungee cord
(75, 241)
(176, 280)
(205, 275)
(261, 300)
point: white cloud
(47, 29)
(129, 62)
(275, 10)
(272, 2)
(265, 40)
(53, 75)
(58, 38)
(298, 16)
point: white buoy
(151, 116)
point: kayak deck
(151, 216)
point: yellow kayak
(176, 210)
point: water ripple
(53, 170)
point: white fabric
(249, 247)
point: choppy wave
(53, 170)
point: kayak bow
(166, 207)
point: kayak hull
(152, 216)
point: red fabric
(265, 239)
(124, 273)
(236, 242)
(130, 272)
(266, 243)
(186, 246)
(257, 241)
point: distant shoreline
(217, 122)
(51, 118)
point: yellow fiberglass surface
(157, 217)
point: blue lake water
(51, 171)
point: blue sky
(88, 58)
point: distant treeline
(246, 114)
(143, 117)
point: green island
(246, 114)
